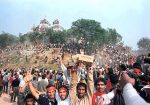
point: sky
(131, 18)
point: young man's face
(63, 94)
(100, 86)
(81, 92)
(137, 72)
(51, 93)
(29, 101)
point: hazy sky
(131, 18)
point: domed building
(44, 24)
(56, 26)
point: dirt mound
(33, 58)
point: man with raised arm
(81, 93)
(48, 99)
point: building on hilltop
(44, 24)
(56, 26)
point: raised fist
(28, 78)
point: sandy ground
(5, 100)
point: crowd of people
(79, 84)
(119, 80)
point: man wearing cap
(61, 99)
(48, 99)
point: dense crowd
(80, 84)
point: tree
(7, 39)
(85, 28)
(93, 34)
(144, 43)
(34, 37)
(113, 37)
(56, 37)
(22, 38)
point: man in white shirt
(63, 96)
(41, 86)
(130, 95)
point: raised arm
(90, 82)
(63, 67)
(134, 98)
(73, 86)
(130, 95)
(32, 89)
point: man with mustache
(81, 93)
